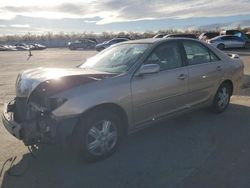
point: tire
(221, 46)
(100, 49)
(222, 98)
(98, 135)
(72, 48)
(247, 45)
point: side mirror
(149, 69)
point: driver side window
(167, 56)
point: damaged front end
(29, 116)
(34, 122)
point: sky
(22, 16)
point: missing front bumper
(9, 123)
(47, 130)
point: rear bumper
(8, 121)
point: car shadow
(159, 156)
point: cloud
(131, 10)
(71, 8)
(89, 21)
(113, 11)
(20, 25)
(20, 9)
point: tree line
(49, 36)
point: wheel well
(221, 44)
(230, 84)
(114, 108)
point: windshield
(117, 59)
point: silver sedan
(228, 41)
(119, 91)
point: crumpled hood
(30, 79)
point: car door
(158, 94)
(232, 42)
(205, 71)
(227, 41)
(238, 42)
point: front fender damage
(37, 123)
(37, 96)
(34, 113)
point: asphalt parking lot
(200, 149)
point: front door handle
(219, 68)
(182, 77)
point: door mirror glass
(149, 69)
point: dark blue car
(106, 44)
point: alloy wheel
(223, 97)
(101, 138)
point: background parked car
(3, 48)
(235, 33)
(228, 41)
(22, 46)
(230, 32)
(106, 44)
(248, 35)
(159, 36)
(208, 35)
(82, 44)
(37, 47)
(92, 39)
(125, 37)
(10, 47)
(181, 35)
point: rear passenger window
(198, 54)
(225, 38)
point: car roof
(222, 36)
(118, 38)
(188, 34)
(156, 40)
(212, 32)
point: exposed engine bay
(35, 119)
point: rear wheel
(222, 98)
(99, 135)
(247, 45)
(221, 46)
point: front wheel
(221, 46)
(222, 98)
(99, 135)
(72, 48)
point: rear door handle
(219, 68)
(182, 77)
